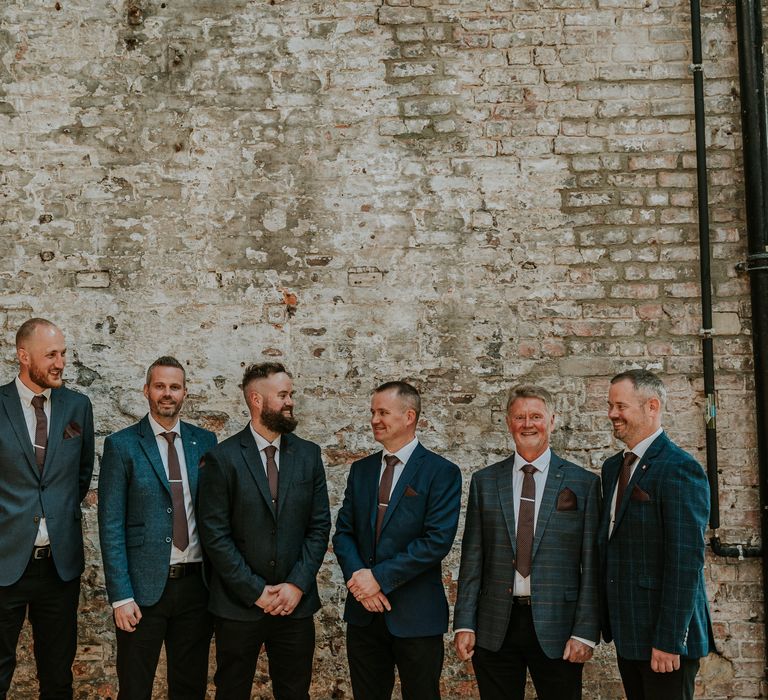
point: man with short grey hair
(652, 547)
(527, 596)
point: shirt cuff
(463, 629)
(588, 642)
(118, 603)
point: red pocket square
(639, 495)
(409, 492)
(566, 500)
(73, 430)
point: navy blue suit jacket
(249, 543)
(416, 535)
(26, 494)
(653, 590)
(135, 509)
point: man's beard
(278, 421)
(42, 378)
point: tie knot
(529, 469)
(629, 459)
(170, 436)
(270, 451)
(38, 401)
(391, 460)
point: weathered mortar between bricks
(464, 194)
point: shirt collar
(404, 453)
(262, 442)
(26, 394)
(157, 428)
(642, 447)
(541, 462)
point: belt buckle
(175, 571)
(41, 552)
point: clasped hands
(280, 599)
(367, 591)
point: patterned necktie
(270, 451)
(41, 430)
(385, 486)
(180, 531)
(624, 474)
(525, 517)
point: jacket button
(167, 539)
(370, 560)
(36, 518)
(170, 510)
(272, 531)
(509, 590)
(42, 487)
(272, 562)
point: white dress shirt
(403, 454)
(639, 450)
(262, 443)
(25, 396)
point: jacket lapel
(56, 428)
(402, 483)
(286, 471)
(192, 457)
(371, 472)
(148, 443)
(642, 468)
(252, 459)
(12, 405)
(504, 485)
(548, 499)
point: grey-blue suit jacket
(135, 509)
(26, 494)
(252, 544)
(564, 569)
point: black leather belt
(182, 570)
(521, 600)
(43, 552)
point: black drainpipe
(753, 118)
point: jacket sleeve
(113, 496)
(471, 568)
(215, 494)
(344, 540)
(441, 520)
(315, 544)
(685, 511)
(586, 624)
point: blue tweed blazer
(652, 565)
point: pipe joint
(756, 261)
(706, 332)
(696, 68)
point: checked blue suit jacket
(564, 568)
(416, 535)
(653, 592)
(135, 509)
(26, 493)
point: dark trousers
(290, 647)
(180, 619)
(501, 674)
(373, 653)
(641, 683)
(52, 608)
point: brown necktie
(41, 430)
(270, 451)
(385, 486)
(525, 517)
(624, 474)
(180, 532)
